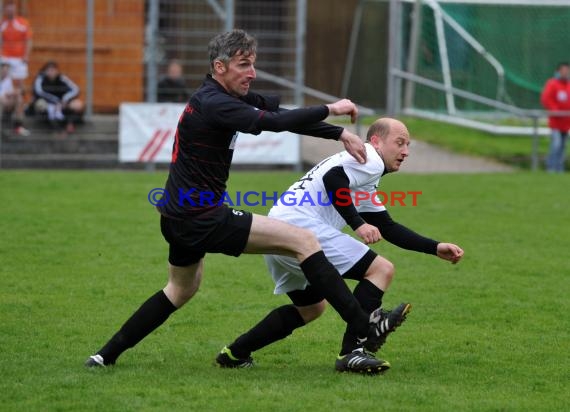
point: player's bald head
(383, 126)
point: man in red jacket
(556, 96)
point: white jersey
(308, 198)
(307, 205)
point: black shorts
(220, 230)
(309, 296)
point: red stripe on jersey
(212, 162)
(175, 149)
(206, 145)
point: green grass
(513, 150)
(80, 251)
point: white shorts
(342, 250)
(18, 67)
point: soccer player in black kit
(201, 158)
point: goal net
(500, 50)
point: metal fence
(118, 50)
(181, 29)
(443, 90)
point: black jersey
(60, 89)
(206, 135)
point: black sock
(368, 295)
(278, 324)
(370, 299)
(322, 275)
(147, 318)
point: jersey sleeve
(364, 179)
(231, 113)
(236, 114)
(269, 103)
(547, 97)
(337, 184)
(29, 31)
(400, 235)
(321, 129)
(72, 89)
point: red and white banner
(146, 134)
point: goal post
(499, 49)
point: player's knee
(187, 292)
(180, 289)
(76, 105)
(306, 243)
(312, 312)
(388, 270)
(381, 272)
(179, 294)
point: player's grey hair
(380, 128)
(226, 45)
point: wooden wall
(329, 27)
(59, 28)
(60, 34)
(329, 23)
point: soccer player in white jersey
(320, 201)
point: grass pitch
(80, 251)
(513, 150)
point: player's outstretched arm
(344, 106)
(450, 252)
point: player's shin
(278, 324)
(370, 298)
(322, 275)
(147, 318)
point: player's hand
(368, 233)
(450, 252)
(353, 145)
(343, 106)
